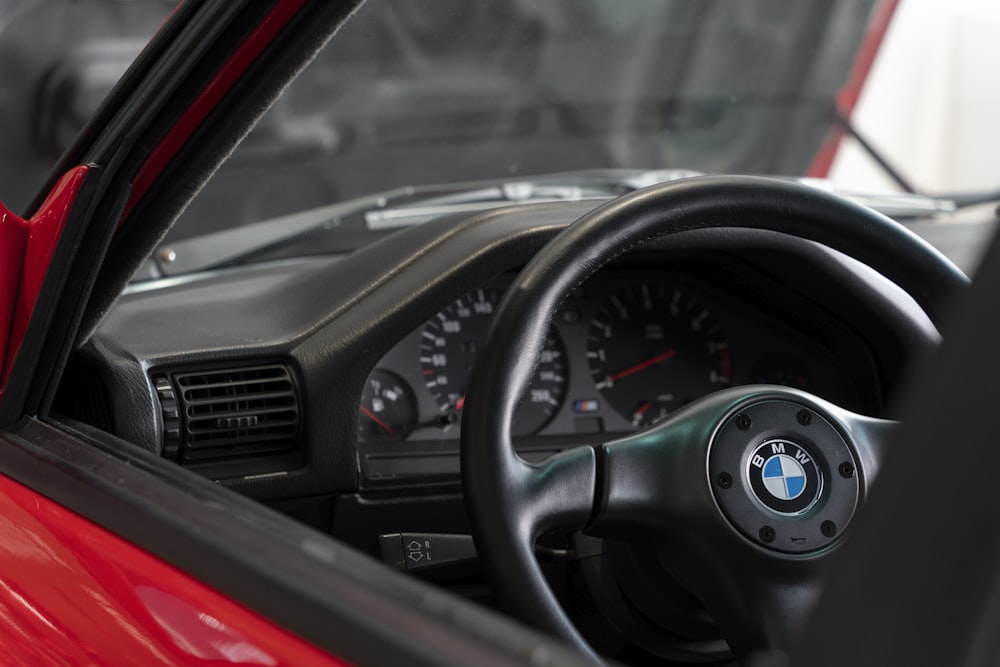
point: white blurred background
(931, 104)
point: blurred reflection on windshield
(414, 93)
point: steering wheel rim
(505, 496)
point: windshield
(457, 103)
(416, 93)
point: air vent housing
(228, 413)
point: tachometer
(653, 348)
(448, 348)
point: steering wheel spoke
(558, 493)
(652, 482)
(517, 502)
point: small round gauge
(654, 348)
(448, 349)
(388, 407)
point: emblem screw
(828, 528)
(804, 417)
(846, 470)
(743, 422)
(725, 480)
(766, 534)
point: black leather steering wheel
(699, 487)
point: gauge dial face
(388, 407)
(448, 347)
(653, 348)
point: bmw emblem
(784, 476)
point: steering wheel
(744, 495)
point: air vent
(229, 413)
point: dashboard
(332, 387)
(626, 349)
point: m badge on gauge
(784, 476)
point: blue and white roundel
(784, 477)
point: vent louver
(230, 413)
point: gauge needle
(460, 403)
(378, 422)
(640, 411)
(642, 365)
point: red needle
(639, 412)
(460, 403)
(378, 422)
(642, 365)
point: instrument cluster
(625, 351)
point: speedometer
(448, 347)
(652, 349)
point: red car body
(76, 594)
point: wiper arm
(229, 245)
